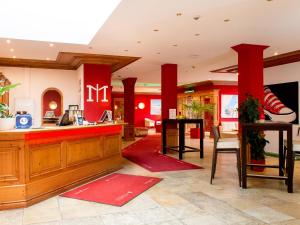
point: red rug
(145, 153)
(115, 189)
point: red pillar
(129, 107)
(250, 69)
(95, 102)
(168, 89)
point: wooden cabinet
(38, 164)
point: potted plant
(7, 121)
(249, 112)
(196, 110)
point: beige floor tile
(203, 220)
(11, 217)
(83, 221)
(268, 215)
(155, 215)
(121, 219)
(41, 215)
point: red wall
(101, 75)
(49, 96)
(141, 114)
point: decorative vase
(257, 168)
(7, 123)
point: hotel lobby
(130, 112)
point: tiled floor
(183, 197)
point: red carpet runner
(115, 189)
(145, 153)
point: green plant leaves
(197, 108)
(4, 109)
(7, 88)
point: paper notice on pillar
(172, 113)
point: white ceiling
(274, 23)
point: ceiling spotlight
(156, 30)
(14, 57)
(197, 34)
(126, 50)
(8, 41)
(175, 45)
(51, 45)
(158, 53)
(226, 20)
(11, 50)
(90, 47)
(193, 67)
(178, 14)
(139, 42)
(196, 17)
(275, 53)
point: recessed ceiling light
(14, 57)
(11, 50)
(269, 0)
(275, 53)
(126, 50)
(196, 17)
(175, 45)
(51, 45)
(8, 41)
(178, 14)
(158, 53)
(156, 30)
(139, 42)
(193, 67)
(90, 47)
(197, 34)
(226, 20)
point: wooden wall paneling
(112, 145)
(10, 154)
(45, 159)
(82, 151)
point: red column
(168, 89)
(129, 107)
(96, 100)
(250, 68)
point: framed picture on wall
(155, 106)
(282, 102)
(229, 106)
(73, 107)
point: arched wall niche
(52, 100)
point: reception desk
(36, 164)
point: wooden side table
(287, 174)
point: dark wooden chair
(224, 146)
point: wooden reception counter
(36, 164)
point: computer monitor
(106, 115)
(64, 120)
